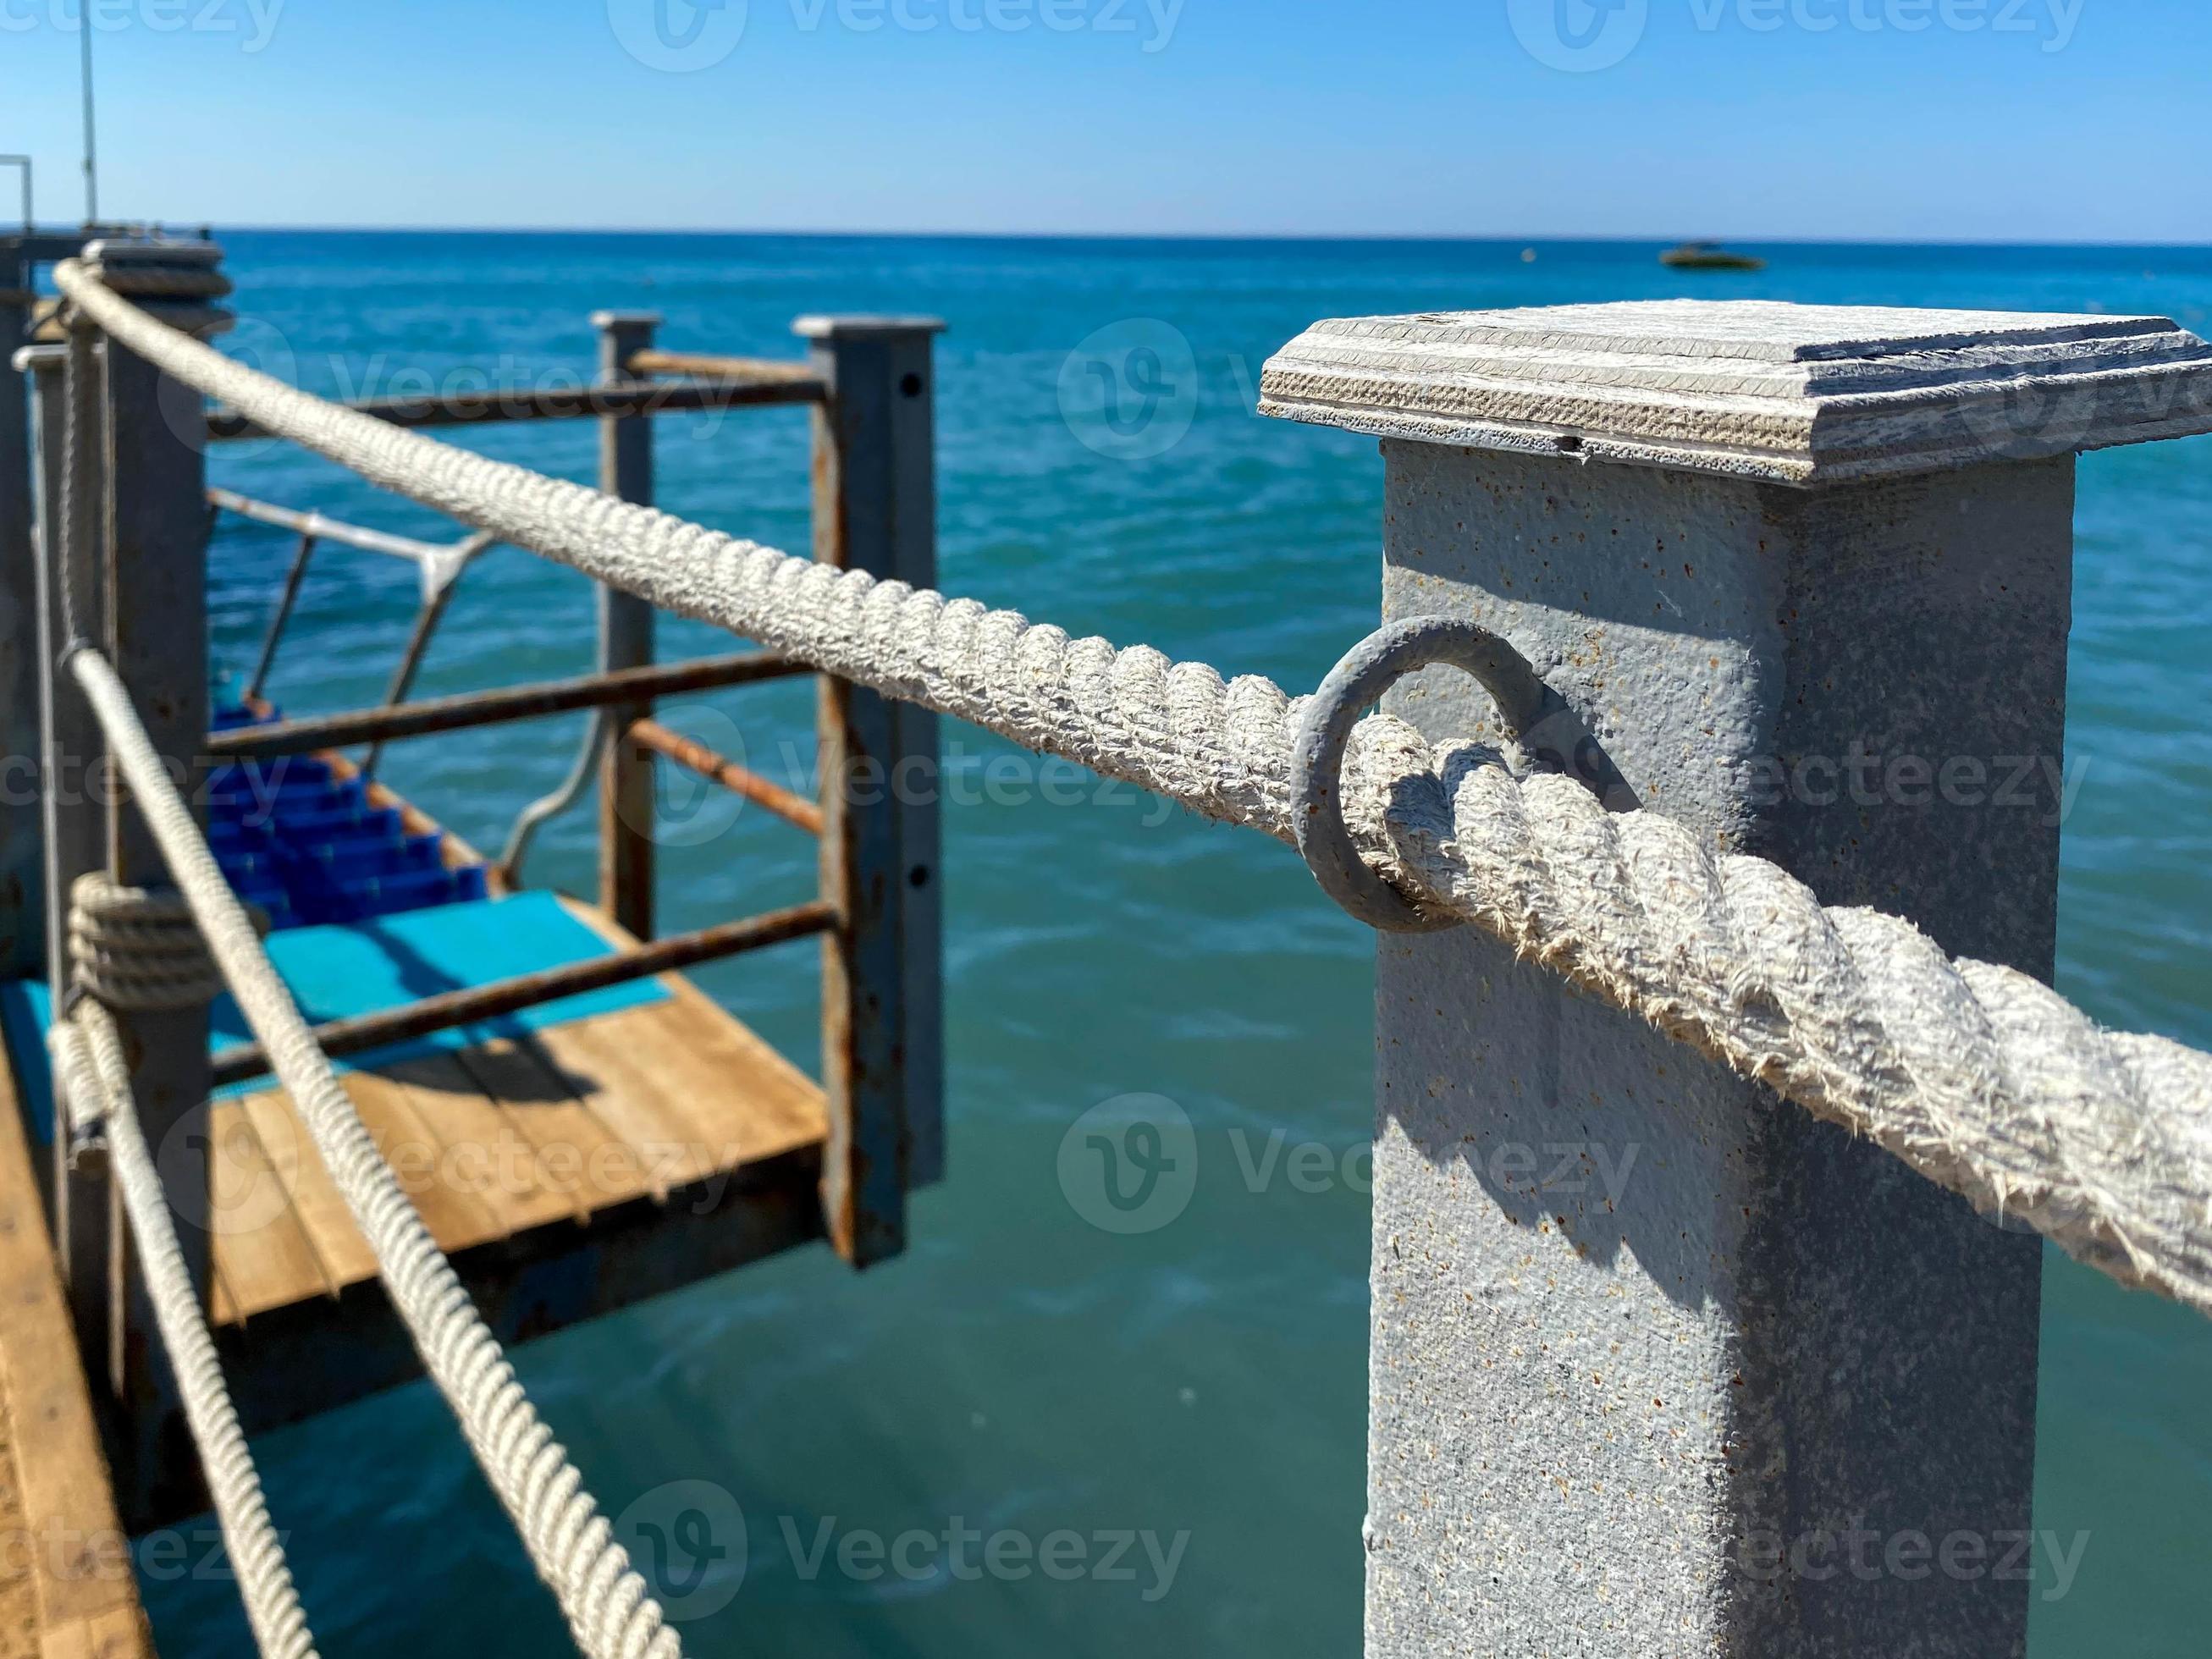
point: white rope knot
(138, 949)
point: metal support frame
(157, 636)
(875, 509)
(296, 575)
(439, 581)
(626, 805)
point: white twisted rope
(610, 1612)
(1977, 1077)
(94, 1081)
(139, 948)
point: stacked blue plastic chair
(309, 848)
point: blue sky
(1906, 120)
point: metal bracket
(1525, 704)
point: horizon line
(1469, 238)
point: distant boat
(1709, 256)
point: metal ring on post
(1367, 670)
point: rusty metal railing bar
(518, 702)
(468, 1006)
(499, 406)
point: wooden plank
(481, 1150)
(121, 1633)
(686, 1146)
(262, 1256)
(710, 1067)
(606, 1064)
(343, 1254)
(456, 1217)
(576, 1154)
(301, 1360)
(79, 1569)
(736, 1090)
(222, 1306)
(569, 1121)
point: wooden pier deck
(567, 1171)
(67, 1590)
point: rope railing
(610, 1612)
(93, 1094)
(1978, 1077)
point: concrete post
(73, 759)
(1658, 1363)
(156, 624)
(23, 942)
(626, 805)
(875, 509)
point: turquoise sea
(1022, 1371)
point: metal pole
(875, 509)
(795, 809)
(292, 577)
(433, 612)
(91, 148)
(626, 806)
(72, 761)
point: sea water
(1043, 1430)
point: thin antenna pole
(91, 154)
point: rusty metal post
(157, 533)
(22, 944)
(875, 509)
(72, 760)
(625, 642)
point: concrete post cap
(158, 251)
(1757, 389)
(862, 327)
